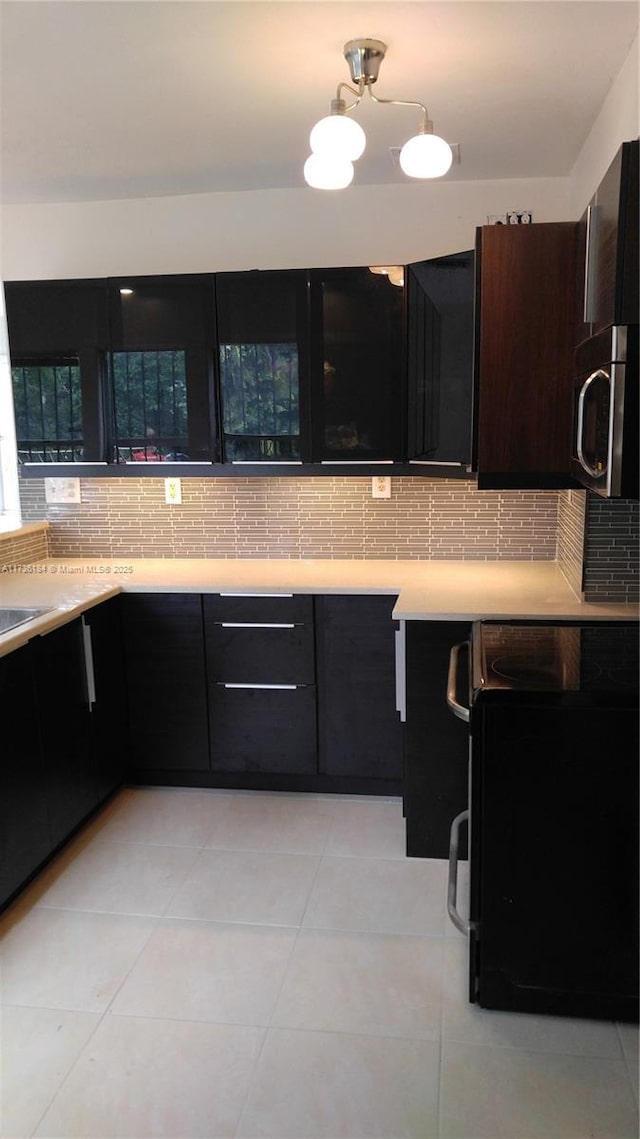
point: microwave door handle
(456, 707)
(599, 374)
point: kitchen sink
(19, 615)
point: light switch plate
(62, 490)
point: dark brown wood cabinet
(525, 323)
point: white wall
(618, 121)
(301, 228)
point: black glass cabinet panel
(58, 340)
(357, 366)
(262, 321)
(440, 354)
(162, 337)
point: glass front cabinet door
(263, 366)
(161, 368)
(58, 337)
(358, 366)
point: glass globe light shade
(328, 173)
(426, 156)
(339, 135)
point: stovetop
(599, 657)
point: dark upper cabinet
(161, 339)
(524, 343)
(608, 269)
(58, 340)
(357, 361)
(263, 366)
(440, 342)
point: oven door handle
(458, 709)
(463, 924)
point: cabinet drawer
(263, 729)
(279, 652)
(258, 607)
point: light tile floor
(231, 965)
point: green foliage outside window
(48, 409)
(260, 389)
(150, 395)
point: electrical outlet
(381, 486)
(173, 491)
(62, 490)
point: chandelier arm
(403, 103)
(359, 93)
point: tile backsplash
(326, 517)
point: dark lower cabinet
(166, 682)
(436, 744)
(263, 730)
(109, 704)
(63, 699)
(360, 735)
(262, 695)
(63, 703)
(25, 840)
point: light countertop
(426, 590)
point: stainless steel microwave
(605, 436)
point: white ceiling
(130, 98)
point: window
(260, 402)
(48, 410)
(150, 405)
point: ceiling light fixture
(337, 141)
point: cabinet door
(25, 839)
(58, 338)
(440, 308)
(359, 730)
(166, 686)
(162, 338)
(525, 310)
(109, 704)
(358, 371)
(615, 249)
(259, 729)
(64, 709)
(436, 743)
(262, 320)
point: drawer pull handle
(256, 625)
(280, 687)
(255, 595)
